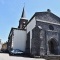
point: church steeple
(23, 21)
(23, 13)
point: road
(4, 56)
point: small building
(4, 47)
(17, 39)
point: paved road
(7, 57)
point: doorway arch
(53, 46)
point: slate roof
(43, 13)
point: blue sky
(10, 12)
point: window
(51, 27)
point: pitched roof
(45, 12)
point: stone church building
(43, 33)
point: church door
(53, 46)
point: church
(42, 33)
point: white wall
(30, 26)
(19, 39)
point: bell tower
(23, 21)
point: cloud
(2, 2)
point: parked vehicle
(15, 52)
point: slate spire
(23, 13)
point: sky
(11, 10)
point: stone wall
(36, 41)
(50, 34)
(49, 17)
(28, 43)
(45, 26)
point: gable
(48, 17)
